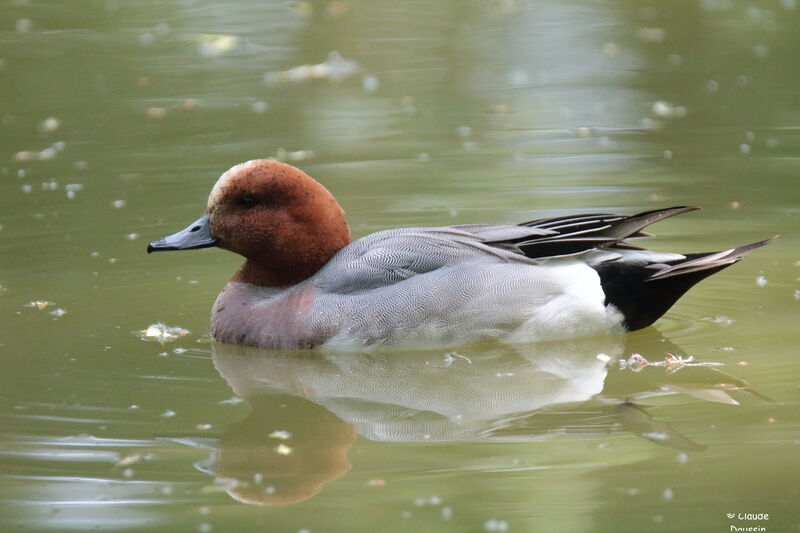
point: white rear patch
(579, 310)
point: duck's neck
(285, 270)
(262, 275)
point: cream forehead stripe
(219, 188)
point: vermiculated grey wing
(390, 256)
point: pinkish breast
(265, 317)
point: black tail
(644, 292)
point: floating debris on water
(451, 357)
(216, 45)
(664, 109)
(234, 400)
(73, 189)
(334, 69)
(495, 525)
(603, 357)
(283, 449)
(671, 363)
(300, 155)
(376, 483)
(161, 333)
(132, 236)
(651, 35)
(128, 460)
(370, 84)
(634, 363)
(118, 204)
(430, 500)
(39, 304)
(259, 107)
(610, 49)
(49, 124)
(761, 280)
(169, 413)
(718, 319)
(58, 312)
(45, 154)
(24, 25)
(281, 434)
(281, 154)
(157, 112)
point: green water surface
(116, 118)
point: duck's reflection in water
(283, 452)
(308, 408)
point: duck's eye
(246, 201)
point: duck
(306, 284)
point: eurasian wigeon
(305, 284)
